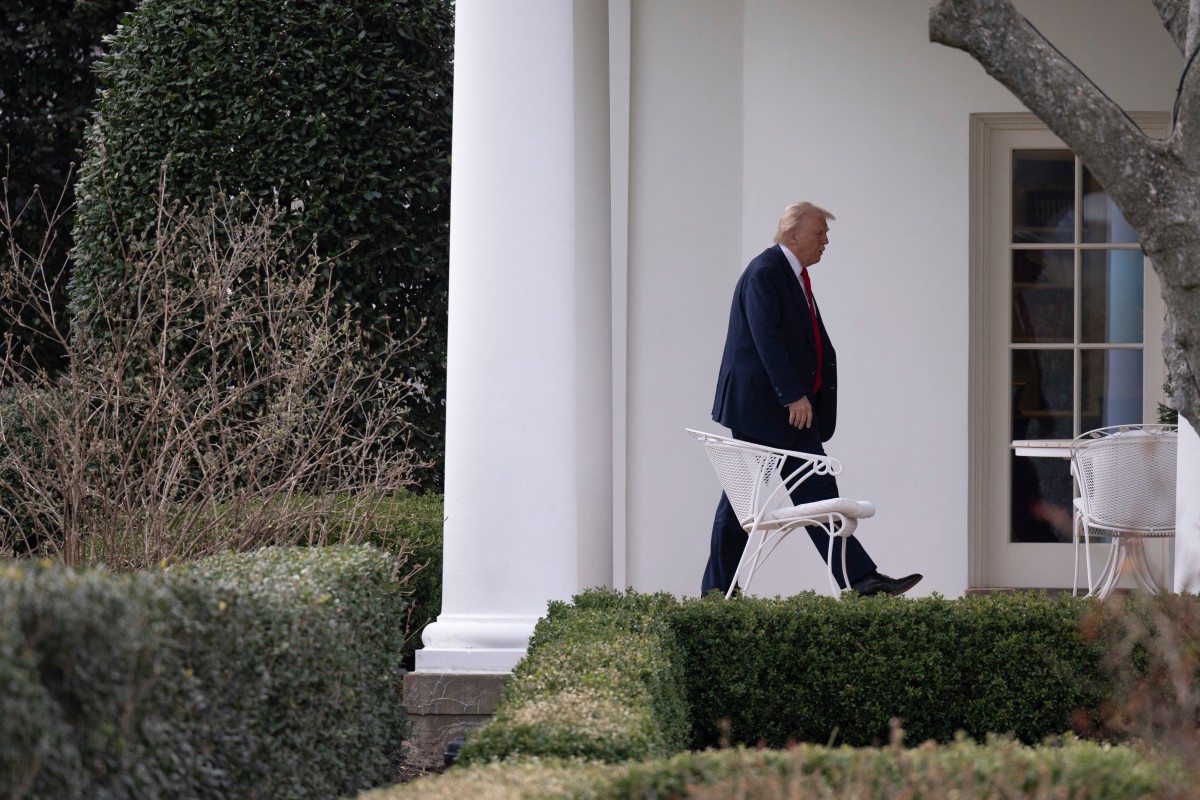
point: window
(1066, 324)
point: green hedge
(602, 676)
(410, 525)
(815, 668)
(338, 109)
(602, 682)
(962, 770)
(47, 84)
(273, 674)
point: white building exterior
(616, 164)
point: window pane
(1043, 301)
(1041, 500)
(1102, 220)
(1111, 388)
(1042, 394)
(1043, 195)
(1112, 297)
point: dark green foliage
(47, 48)
(601, 682)
(339, 110)
(963, 770)
(410, 525)
(302, 645)
(1025, 668)
(1167, 413)
(809, 668)
(818, 669)
(415, 522)
(97, 692)
(269, 675)
(22, 532)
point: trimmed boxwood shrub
(303, 646)
(809, 668)
(273, 674)
(96, 699)
(601, 682)
(815, 668)
(963, 770)
(339, 110)
(411, 526)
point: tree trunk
(1152, 181)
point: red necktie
(812, 308)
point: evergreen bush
(47, 85)
(809, 668)
(266, 675)
(411, 525)
(820, 669)
(337, 110)
(963, 770)
(602, 683)
(298, 650)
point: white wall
(738, 108)
(684, 230)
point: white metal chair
(751, 476)
(1126, 480)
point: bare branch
(229, 406)
(1013, 52)
(1175, 16)
(1152, 181)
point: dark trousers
(729, 538)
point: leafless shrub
(226, 408)
(1151, 646)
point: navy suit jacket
(770, 358)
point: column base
(474, 643)
(474, 660)
(443, 705)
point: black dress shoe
(878, 583)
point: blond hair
(794, 215)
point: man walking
(778, 387)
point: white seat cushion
(853, 509)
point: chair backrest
(1126, 475)
(749, 474)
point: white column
(1187, 510)
(528, 414)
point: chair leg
(845, 573)
(754, 557)
(843, 530)
(1096, 586)
(1087, 553)
(748, 553)
(833, 583)
(1136, 547)
(1075, 546)
(1111, 575)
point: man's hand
(800, 413)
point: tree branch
(1012, 51)
(1152, 181)
(1174, 14)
